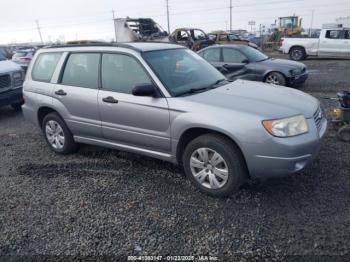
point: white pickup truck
(332, 43)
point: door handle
(110, 99)
(61, 93)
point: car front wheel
(275, 78)
(214, 165)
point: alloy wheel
(272, 79)
(209, 168)
(54, 134)
(297, 54)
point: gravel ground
(104, 202)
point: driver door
(137, 121)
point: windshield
(182, 70)
(253, 54)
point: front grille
(5, 81)
(318, 116)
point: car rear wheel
(275, 78)
(297, 54)
(57, 134)
(214, 165)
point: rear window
(45, 66)
(82, 70)
(333, 34)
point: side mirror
(144, 90)
(245, 61)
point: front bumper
(13, 96)
(298, 79)
(278, 157)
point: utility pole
(230, 15)
(115, 30)
(261, 38)
(312, 22)
(167, 14)
(38, 27)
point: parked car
(244, 62)
(5, 52)
(221, 37)
(11, 82)
(165, 101)
(334, 42)
(193, 38)
(23, 57)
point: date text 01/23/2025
(173, 258)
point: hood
(257, 98)
(8, 66)
(278, 63)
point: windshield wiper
(218, 82)
(192, 91)
(202, 89)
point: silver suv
(165, 101)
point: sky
(92, 19)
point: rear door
(75, 95)
(136, 121)
(331, 44)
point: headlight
(18, 79)
(287, 127)
(296, 72)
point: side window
(182, 36)
(120, 73)
(45, 66)
(223, 38)
(212, 37)
(233, 56)
(198, 35)
(347, 34)
(212, 55)
(333, 34)
(82, 70)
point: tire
(17, 107)
(275, 78)
(54, 129)
(343, 133)
(233, 171)
(297, 53)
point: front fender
(240, 127)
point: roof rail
(331, 26)
(123, 45)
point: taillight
(280, 42)
(26, 59)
